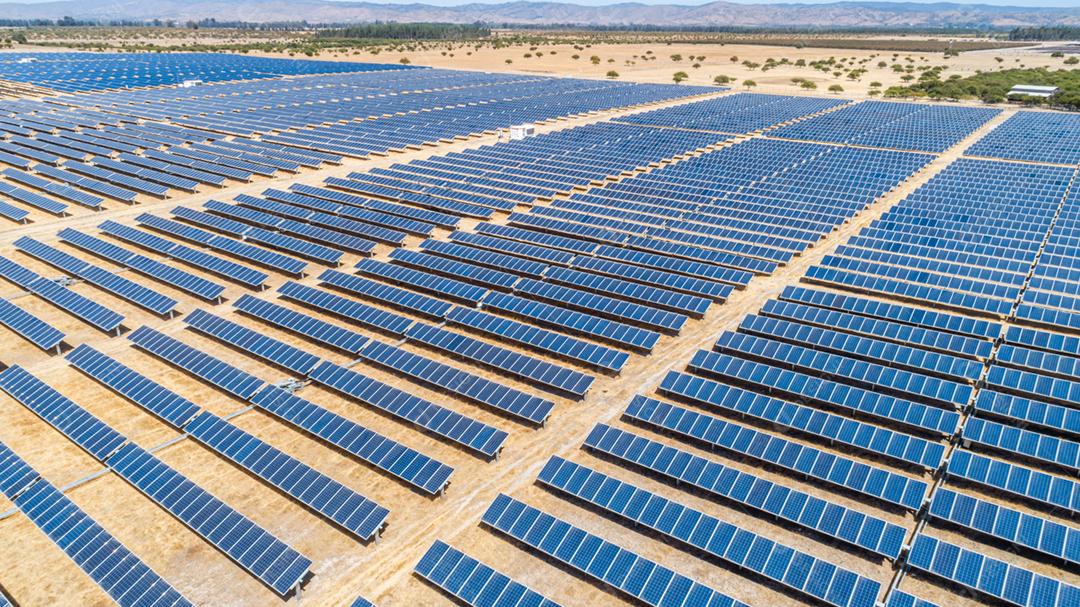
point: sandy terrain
(628, 60)
(381, 571)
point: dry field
(36, 573)
(627, 60)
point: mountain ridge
(721, 13)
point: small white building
(522, 131)
(1031, 90)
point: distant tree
(696, 66)
(509, 61)
(808, 85)
(721, 79)
(679, 77)
(749, 83)
(1072, 61)
(836, 88)
(404, 61)
(595, 60)
(676, 57)
(575, 57)
(875, 85)
(612, 74)
(734, 58)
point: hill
(841, 14)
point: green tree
(749, 83)
(612, 74)
(836, 88)
(679, 77)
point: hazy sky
(1053, 3)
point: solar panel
(267, 348)
(1033, 485)
(473, 582)
(466, 272)
(515, 403)
(114, 568)
(301, 324)
(999, 579)
(465, 431)
(898, 598)
(750, 491)
(870, 375)
(537, 371)
(96, 437)
(256, 550)
(351, 511)
(844, 472)
(542, 340)
(637, 314)
(387, 294)
(835, 429)
(78, 306)
(155, 398)
(203, 261)
(610, 331)
(202, 365)
(30, 327)
(117, 285)
(444, 287)
(695, 530)
(179, 279)
(599, 560)
(1025, 412)
(913, 359)
(418, 470)
(1012, 526)
(353, 311)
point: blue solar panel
(1025, 411)
(353, 311)
(301, 324)
(610, 331)
(473, 582)
(999, 579)
(155, 398)
(871, 375)
(198, 259)
(444, 287)
(418, 470)
(1013, 526)
(202, 365)
(179, 279)
(637, 314)
(267, 348)
(351, 511)
(30, 327)
(1034, 485)
(542, 340)
(753, 492)
(513, 402)
(533, 370)
(387, 294)
(266, 557)
(874, 440)
(696, 530)
(114, 568)
(96, 437)
(81, 307)
(465, 431)
(798, 458)
(601, 561)
(899, 598)
(99, 277)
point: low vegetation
(993, 87)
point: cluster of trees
(1061, 32)
(408, 31)
(993, 87)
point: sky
(1026, 3)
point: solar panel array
(874, 438)
(900, 126)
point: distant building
(1031, 90)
